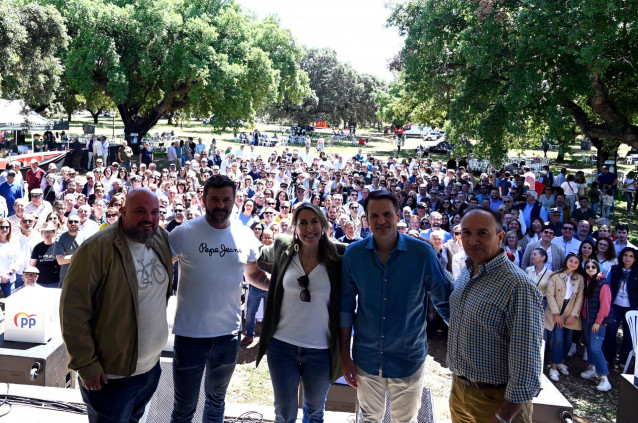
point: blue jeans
(561, 343)
(121, 400)
(594, 345)
(19, 282)
(287, 364)
(610, 343)
(7, 288)
(252, 305)
(219, 356)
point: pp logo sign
(24, 320)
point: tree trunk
(603, 155)
(562, 149)
(170, 118)
(69, 117)
(95, 115)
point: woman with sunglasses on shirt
(301, 323)
(596, 315)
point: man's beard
(210, 214)
(140, 236)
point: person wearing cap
(533, 209)
(30, 276)
(34, 175)
(11, 190)
(39, 206)
(43, 257)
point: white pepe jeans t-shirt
(211, 269)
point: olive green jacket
(275, 259)
(98, 307)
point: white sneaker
(553, 375)
(563, 369)
(589, 373)
(572, 350)
(604, 384)
(585, 357)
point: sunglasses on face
(590, 267)
(75, 222)
(27, 220)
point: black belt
(478, 385)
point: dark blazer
(276, 259)
(632, 284)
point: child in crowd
(608, 201)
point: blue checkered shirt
(496, 326)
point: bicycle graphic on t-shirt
(149, 272)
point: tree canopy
(153, 57)
(339, 93)
(31, 41)
(510, 70)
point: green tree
(153, 57)
(521, 70)
(31, 41)
(340, 95)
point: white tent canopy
(12, 117)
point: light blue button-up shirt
(389, 322)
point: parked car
(413, 130)
(433, 135)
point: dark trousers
(121, 400)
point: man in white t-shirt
(113, 311)
(215, 252)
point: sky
(355, 29)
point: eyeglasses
(179, 210)
(284, 207)
(5, 228)
(457, 233)
(590, 267)
(74, 222)
(304, 282)
(27, 220)
(568, 229)
(548, 233)
(30, 275)
(111, 215)
(88, 178)
(268, 213)
(354, 208)
(257, 228)
(36, 195)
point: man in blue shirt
(386, 279)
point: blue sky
(355, 29)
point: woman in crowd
(586, 251)
(9, 258)
(364, 227)
(117, 201)
(510, 244)
(539, 273)
(596, 315)
(604, 231)
(623, 279)
(515, 226)
(535, 230)
(43, 257)
(564, 299)
(605, 254)
(51, 189)
(54, 219)
(112, 214)
(258, 229)
(456, 219)
(301, 324)
(548, 199)
(247, 215)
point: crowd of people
(304, 210)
